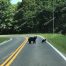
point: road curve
(8, 48)
(39, 54)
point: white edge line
(54, 48)
(5, 42)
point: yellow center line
(13, 56)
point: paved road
(7, 48)
(39, 54)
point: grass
(3, 39)
(58, 40)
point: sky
(15, 1)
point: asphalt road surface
(38, 54)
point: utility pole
(53, 15)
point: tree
(6, 16)
(32, 16)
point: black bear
(32, 39)
(43, 40)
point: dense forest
(33, 16)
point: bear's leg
(34, 41)
(29, 42)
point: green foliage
(6, 16)
(28, 12)
(37, 16)
(33, 16)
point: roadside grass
(58, 40)
(3, 39)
